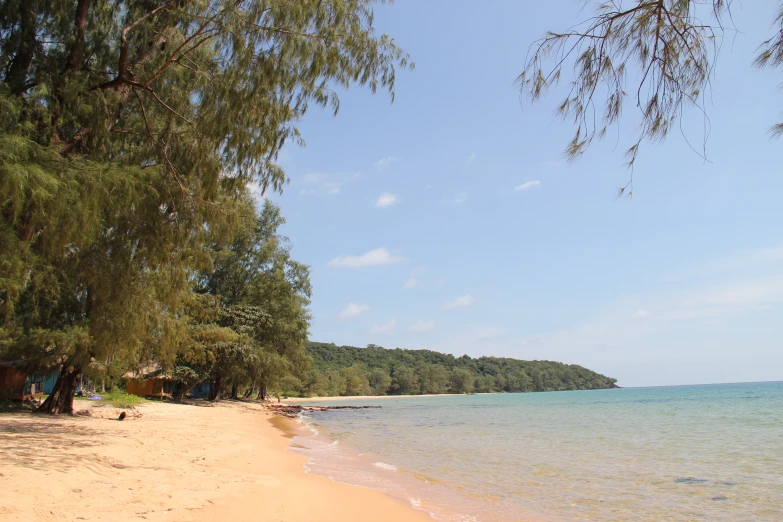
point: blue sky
(449, 220)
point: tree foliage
(658, 54)
(348, 370)
(249, 323)
(129, 131)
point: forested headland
(348, 370)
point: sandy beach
(174, 463)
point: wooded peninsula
(348, 370)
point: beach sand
(173, 463)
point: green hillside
(348, 370)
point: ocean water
(680, 453)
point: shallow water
(670, 453)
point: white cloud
(386, 200)
(528, 185)
(460, 198)
(353, 310)
(385, 163)
(385, 327)
(472, 158)
(460, 302)
(328, 184)
(612, 329)
(377, 257)
(422, 326)
(727, 320)
(759, 261)
(738, 295)
(411, 283)
(748, 259)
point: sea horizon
(682, 452)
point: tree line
(348, 370)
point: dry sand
(173, 463)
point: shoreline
(340, 398)
(346, 463)
(174, 463)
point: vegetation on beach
(120, 399)
(131, 134)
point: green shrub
(120, 399)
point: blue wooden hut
(201, 390)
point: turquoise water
(671, 453)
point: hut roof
(151, 371)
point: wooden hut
(18, 385)
(201, 390)
(150, 382)
(160, 386)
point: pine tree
(128, 131)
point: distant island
(374, 370)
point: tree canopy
(251, 318)
(129, 132)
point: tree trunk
(80, 26)
(217, 383)
(179, 392)
(16, 73)
(234, 391)
(61, 398)
(261, 392)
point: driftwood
(292, 411)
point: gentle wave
(346, 464)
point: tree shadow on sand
(55, 444)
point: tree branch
(80, 26)
(122, 65)
(173, 55)
(16, 78)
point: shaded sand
(174, 463)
